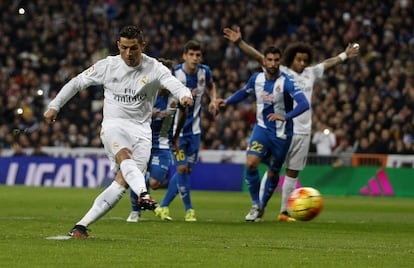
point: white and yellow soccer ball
(305, 203)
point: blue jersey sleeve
(298, 96)
(302, 106)
(237, 96)
(242, 93)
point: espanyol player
(163, 142)
(297, 59)
(275, 92)
(199, 79)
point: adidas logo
(378, 186)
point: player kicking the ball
(131, 81)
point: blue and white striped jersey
(197, 83)
(273, 96)
(162, 121)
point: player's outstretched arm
(351, 51)
(220, 103)
(234, 35)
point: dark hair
(132, 32)
(272, 50)
(168, 63)
(293, 49)
(192, 45)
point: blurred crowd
(367, 103)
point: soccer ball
(304, 203)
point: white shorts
(298, 152)
(119, 134)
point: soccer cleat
(260, 215)
(146, 202)
(284, 216)
(163, 213)
(79, 231)
(133, 216)
(190, 215)
(255, 214)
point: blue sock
(134, 198)
(269, 188)
(253, 184)
(172, 191)
(183, 181)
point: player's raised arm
(351, 51)
(234, 35)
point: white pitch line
(58, 237)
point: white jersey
(302, 124)
(129, 92)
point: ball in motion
(304, 203)
(356, 45)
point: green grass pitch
(350, 232)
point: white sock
(103, 203)
(288, 186)
(133, 176)
(262, 186)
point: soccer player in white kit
(131, 80)
(297, 58)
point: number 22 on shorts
(256, 147)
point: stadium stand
(368, 102)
